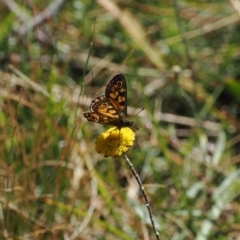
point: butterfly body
(111, 108)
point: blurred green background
(181, 60)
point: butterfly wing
(102, 111)
(111, 108)
(116, 92)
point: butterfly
(111, 108)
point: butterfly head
(126, 124)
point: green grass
(181, 63)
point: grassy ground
(181, 60)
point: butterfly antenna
(139, 112)
(136, 115)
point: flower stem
(144, 195)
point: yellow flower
(114, 142)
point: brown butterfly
(111, 108)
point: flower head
(114, 142)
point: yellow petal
(114, 142)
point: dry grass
(181, 63)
